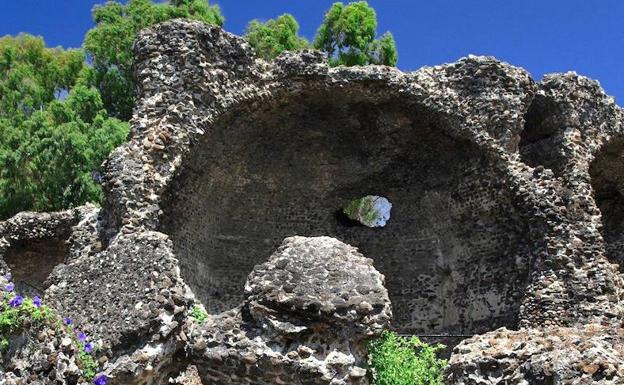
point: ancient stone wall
(33, 244)
(607, 178)
(454, 253)
(505, 193)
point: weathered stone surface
(43, 354)
(308, 314)
(315, 302)
(506, 196)
(32, 244)
(188, 377)
(323, 279)
(590, 354)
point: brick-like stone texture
(455, 252)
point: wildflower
(8, 276)
(10, 286)
(16, 301)
(88, 347)
(82, 337)
(37, 301)
(67, 321)
(102, 379)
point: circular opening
(454, 252)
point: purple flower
(10, 286)
(82, 337)
(67, 320)
(102, 379)
(8, 276)
(16, 301)
(88, 347)
(37, 301)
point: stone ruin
(507, 223)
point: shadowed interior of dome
(607, 178)
(32, 261)
(454, 252)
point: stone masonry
(507, 216)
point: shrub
(199, 314)
(396, 360)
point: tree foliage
(348, 33)
(31, 75)
(396, 360)
(275, 36)
(109, 43)
(50, 148)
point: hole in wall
(542, 137)
(607, 179)
(454, 253)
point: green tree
(50, 148)
(109, 43)
(275, 36)
(32, 75)
(348, 33)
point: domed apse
(31, 262)
(453, 252)
(607, 178)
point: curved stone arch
(187, 92)
(176, 125)
(164, 160)
(33, 244)
(195, 79)
(183, 102)
(225, 269)
(565, 124)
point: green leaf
(396, 360)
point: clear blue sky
(540, 35)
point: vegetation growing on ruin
(199, 314)
(16, 311)
(19, 313)
(396, 360)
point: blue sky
(540, 35)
